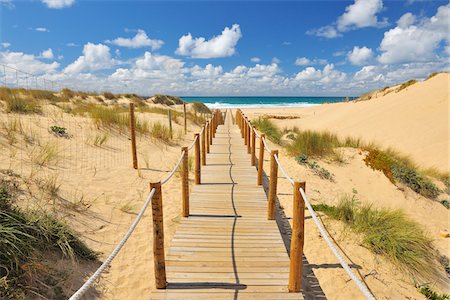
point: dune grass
(17, 103)
(160, 132)
(397, 167)
(406, 84)
(431, 294)
(266, 126)
(25, 236)
(389, 233)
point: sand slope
(414, 120)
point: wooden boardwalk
(226, 248)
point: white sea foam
(216, 105)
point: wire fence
(15, 78)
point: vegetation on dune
(406, 84)
(266, 126)
(315, 167)
(400, 168)
(201, 108)
(27, 238)
(429, 293)
(166, 100)
(389, 233)
(21, 104)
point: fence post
(242, 125)
(158, 237)
(170, 124)
(197, 159)
(133, 136)
(185, 117)
(245, 132)
(261, 158)
(272, 186)
(297, 240)
(249, 135)
(204, 146)
(252, 130)
(207, 136)
(211, 131)
(185, 182)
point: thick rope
(283, 171)
(266, 147)
(193, 143)
(97, 273)
(362, 287)
(174, 169)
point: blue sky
(225, 48)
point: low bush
(315, 167)
(389, 233)
(27, 236)
(429, 293)
(400, 168)
(406, 84)
(266, 126)
(21, 104)
(109, 96)
(313, 143)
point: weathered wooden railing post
(261, 158)
(211, 125)
(245, 132)
(272, 186)
(204, 146)
(253, 146)
(133, 136)
(207, 136)
(170, 124)
(158, 237)
(197, 159)
(185, 118)
(297, 239)
(185, 182)
(242, 125)
(249, 135)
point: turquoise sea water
(263, 102)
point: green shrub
(314, 166)
(58, 130)
(400, 168)
(429, 293)
(267, 127)
(389, 233)
(25, 236)
(313, 143)
(201, 108)
(406, 84)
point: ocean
(263, 102)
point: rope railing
(156, 201)
(80, 292)
(295, 284)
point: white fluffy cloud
(138, 41)
(27, 63)
(48, 54)
(360, 56)
(406, 20)
(324, 76)
(304, 61)
(369, 73)
(95, 57)
(57, 4)
(6, 45)
(255, 59)
(209, 71)
(362, 13)
(411, 42)
(222, 45)
(41, 29)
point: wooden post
(245, 132)
(158, 237)
(185, 117)
(204, 146)
(170, 124)
(214, 125)
(272, 186)
(252, 130)
(249, 134)
(242, 125)
(261, 158)
(207, 136)
(297, 240)
(185, 182)
(197, 159)
(133, 136)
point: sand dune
(413, 121)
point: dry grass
(389, 233)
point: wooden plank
(226, 248)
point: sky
(215, 48)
